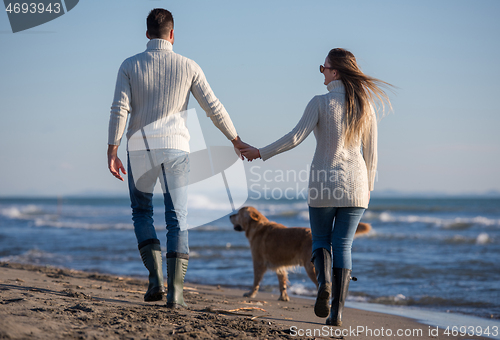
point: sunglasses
(322, 68)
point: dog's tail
(363, 229)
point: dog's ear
(253, 215)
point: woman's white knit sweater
(340, 176)
(154, 87)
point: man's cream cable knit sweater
(154, 86)
(340, 176)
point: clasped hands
(245, 150)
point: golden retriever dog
(277, 247)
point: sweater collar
(159, 44)
(336, 86)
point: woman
(341, 176)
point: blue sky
(261, 59)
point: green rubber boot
(177, 264)
(151, 257)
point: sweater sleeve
(370, 151)
(210, 104)
(120, 107)
(303, 128)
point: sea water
(430, 254)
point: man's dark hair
(159, 23)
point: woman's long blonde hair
(362, 91)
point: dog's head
(245, 217)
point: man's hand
(238, 145)
(114, 163)
(250, 153)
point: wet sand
(50, 303)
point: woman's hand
(250, 153)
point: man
(153, 88)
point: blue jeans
(333, 229)
(171, 166)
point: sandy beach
(51, 303)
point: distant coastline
(490, 194)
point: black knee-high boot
(341, 279)
(151, 257)
(323, 264)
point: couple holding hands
(156, 84)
